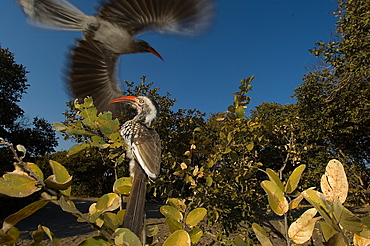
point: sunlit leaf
(52, 183)
(36, 170)
(277, 201)
(68, 206)
(77, 148)
(123, 236)
(334, 182)
(240, 112)
(22, 149)
(261, 235)
(61, 176)
(173, 225)
(51, 236)
(97, 141)
(294, 178)
(13, 219)
(123, 186)
(171, 212)
(362, 238)
(179, 204)
(250, 146)
(108, 202)
(238, 241)
(195, 216)
(59, 126)
(178, 238)
(317, 200)
(195, 234)
(300, 231)
(9, 238)
(274, 178)
(18, 185)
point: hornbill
(144, 152)
(109, 34)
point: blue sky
(266, 38)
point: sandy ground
(70, 232)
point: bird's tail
(56, 14)
(135, 209)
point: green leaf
(9, 238)
(68, 206)
(178, 238)
(106, 125)
(108, 202)
(261, 235)
(300, 231)
(77, 148)
(179, 204)
(96, 241)
(123, 186)
(38, 235)
(195, 234)
(36, 170)
(294, 178)
(97, 141)
(18, 184)
(13, 219)
(59, 127)
(318, 201)
(327, 231)
(277, 201)
(346, 218)
(238, 241)
(366, 221)
(111, 220)
(61, 176)
(195, 216)
(209, 181)
(52, 183)
(123, 236)
(74, 131)
(240, 112)
(173, 225)
(171, 212)
(274, 178)
(250, 146)
(53, 239)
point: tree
(38, 137)
(333, 102)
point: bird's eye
(141, 101)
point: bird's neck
(145, 119)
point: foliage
(38, 136)
(219, 168)
(333, 102)
(337, 220)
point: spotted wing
(173, 16)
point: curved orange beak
(126, 99)
(154, 52)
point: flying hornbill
(144, 152)
(93, 69)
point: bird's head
(142, 46)
(147, 109)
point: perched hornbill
(144, 152)
(110, 34)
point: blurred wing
(93, 73)
(173, 16)
(146, 147)
(56, 14)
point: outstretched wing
(174, 16)
(93, 73)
